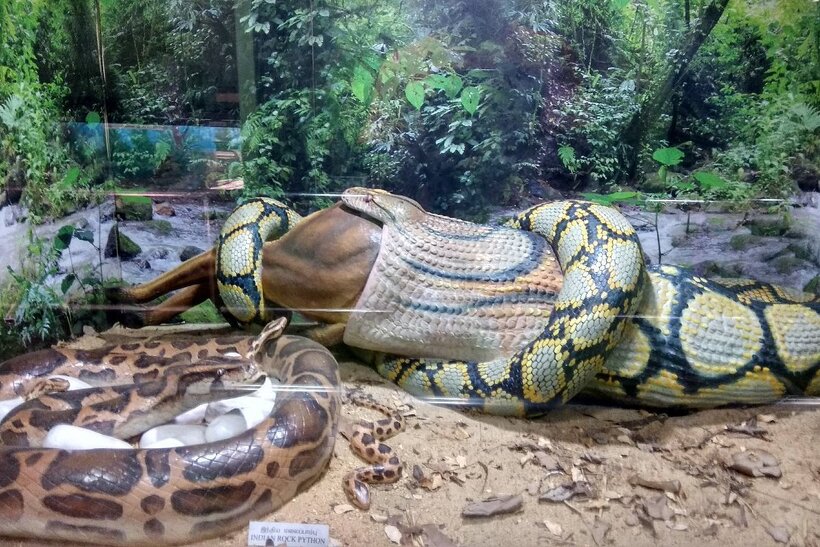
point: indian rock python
(444, 288)
(173, 495)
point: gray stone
(134, 208)
(189, 252)
(165, 209)
(118, 244)
(159, 253)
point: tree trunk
(245, 62)
(635, 132)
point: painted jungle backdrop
(463, 105)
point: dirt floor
(583, 475)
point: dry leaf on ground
(567, 491)
(393, 533)
(434, 537)
(657, 507)
(599, 530)
(756, 463)
(497, 505)
(666, 486)
(779, 533)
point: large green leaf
(451, 84)
(614, 197)
(63, 239)
(415, 94)
(710, 181)
(84, 235)
(362, 83)
(67, 282)
(668, 156)
(469, 99)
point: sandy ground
(583, 475)
(465, 457)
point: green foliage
(668, 156)
(362, 84)
(40, 293)
(567, 156)
(469, 98)
(458, 104)
(414, 91)
(454, 122)
(778, 136)
(33, 153)
(592, 122)
(613, 198)
(318, 82)
(29, 139)
(40, 311)
(138, 157)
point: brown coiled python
(172, 495)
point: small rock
(143, 264)
(158, 254)
(769, 227)
(158, 227)
(165, 209)
(189, 252)
(599, 530)
(657, 508)
(567, 491)
(741, 242)
(107, 211)
(133, 208)
(554, 528)
(118, 244)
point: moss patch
(710, 268)
(813, 286)
(213, 214)
(769, 227)
(788, 263)
(120, 244)
(159, 227)
(134, 208)
(741, 242)
(203, 313)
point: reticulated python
(688, 342)
(454, 291)
(172, 495)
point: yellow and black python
(239, 255)
(660, 338)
